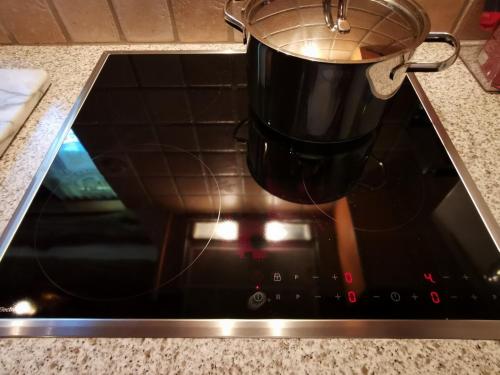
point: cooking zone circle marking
(118, 167)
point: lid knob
(340, 24)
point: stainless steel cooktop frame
(449, 329)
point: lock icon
(277, 277)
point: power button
(259, 297)
(256, 300)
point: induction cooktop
(165, 208)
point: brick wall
(141, 21)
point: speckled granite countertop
(472, 119)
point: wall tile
(4, 38)
(30, 21)
(469, 27)
(443, 13)
(144, 20)
(88, 20)
(200, 20)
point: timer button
(395, 297)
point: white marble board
(20, 92)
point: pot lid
(378, 28)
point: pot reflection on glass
(304, 172)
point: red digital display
(429, 277)
(435, 298)
(351, 296)
(348, 277)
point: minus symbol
(317, 296)
(446, 277)
(376, 296)
(315, 277)
(454, 297)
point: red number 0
(348, 277)
(435, 298)
(351, 296)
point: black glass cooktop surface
(167, 199)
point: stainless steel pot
(322, 79)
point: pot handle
(233, 17)
(340, 24)
(436, 66)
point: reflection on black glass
(152, 209)
(303, 172)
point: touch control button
(395, 297)
(259, 297)
(256, 300)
